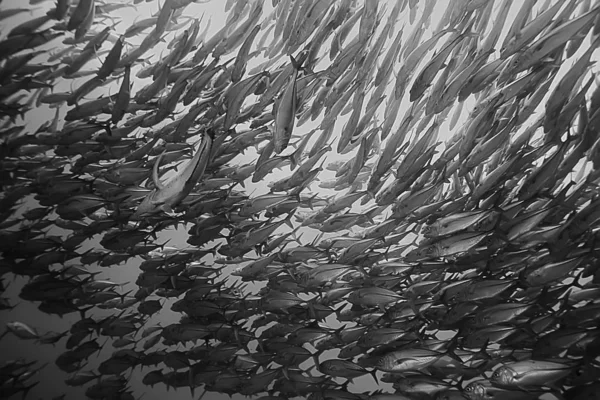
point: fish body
(239, 67)
(530, 373)
(325, 273)
(373, 297)
(344, 368)
(408, 360)
(457, 222)
(459, 243)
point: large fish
(166, 196)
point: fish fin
(556, 391)
(310, 200)
(294, 159)
(167, 209)
(374, 375)
(453, 344)
(285, 372)
(315, 357)
(27, 389)
(577, 280)
(155, 177)
(211, 133)
(483, 350)
(317, 239)
(296, 64)
(288, 219)
(338, 331)
(191, 381)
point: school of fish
(442, 269)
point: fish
(285, 111)
(374, 297)
(530, 373)
(528, 32)
(551, 40)
(166, 196)
(239, 65)
(81, 12)
(123, 97)
(448, 246)
(425, 77)
(408, 360)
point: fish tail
(28, 389)
(483, 350)
(316, 359)
(296, 64)
(122, 296)
(453, 344)
(374, 375)
(191, 381)
(294, 159)
(288, 219)
(310, 200)
(337, 333)
(577, 280)
(82, 312)
(344, 386)
(211, 132)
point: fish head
(503, 376)
(475, 391)
(520, 58)
(303, 278)
(389, 363)
(450, 395)
(384, 363)
(327, 367)
(277, 186)
(354, 296)
(427, 230)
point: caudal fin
(296, 64)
